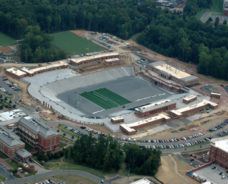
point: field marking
(105, 98)
(98, 111)
(145, 98)
(140, 99)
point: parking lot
(212, 173)
(7, 86)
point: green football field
(73, 44)
(6, 40)
(105, 98)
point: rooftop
(130, 127)
(45, 68)
(117, 118)
(153, 106)
(142, 181)
(203, 103)
(16, 71)
(162, 66)
(10, 115)
(221, 143)
(38, 127)
(23, 153)
(9, 138)
(190, 97)
(97, 56)
(112, 60)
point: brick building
(10, 143)
(37, 135)
(219, 151)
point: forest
(108, 155)
(177, 35)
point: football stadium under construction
(81, 90)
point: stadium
(94, 96)
(103, 89)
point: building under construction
(96, 61)
(171, 73)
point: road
(40, 177)
(201, 141)
(5, 173)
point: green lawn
(73, 44)
(105, 98)
(6, 40)
(68, 166)
(13, 164)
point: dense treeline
(120, 17)
(188, 39)
(194, 6)
(175, 35)
(141, 160)
(36, 46)
(107, 154)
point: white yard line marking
(145, 98)
(98, 111)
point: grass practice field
(6, 40)
(105, 98)
(73, 44)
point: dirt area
(172, 170)
(81, 33)
(72, 180)
(100, 128)
(6, 50)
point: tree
(36, 47)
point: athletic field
(73, 44)
(6, 40)
(105, 98)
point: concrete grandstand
(60, 90)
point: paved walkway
(39, 177)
